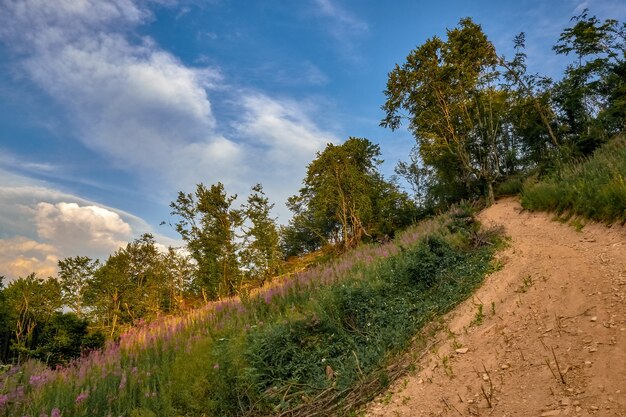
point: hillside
(558, 298)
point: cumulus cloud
(40, 225)
(20, 257)
(74, 228)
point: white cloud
(75, 228)
(39, 225)
(20, 257)
(343, 21)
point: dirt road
(544, 336)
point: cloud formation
(138, 104)
(74, 228)
(20, 257)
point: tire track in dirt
(551, 338)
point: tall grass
(594, 188)
(312, 336)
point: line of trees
(479, 118)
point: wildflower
(122, 382)
(4, 399)
(55, 412)
(82, 397)
(216, 366)
(37, 380)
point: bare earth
(560, 295)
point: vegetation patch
(595, 188)
(323, 338)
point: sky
(109, 108)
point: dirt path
(560, 294)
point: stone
(462, 350)
(551, 413)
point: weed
(447, 367)
(493, 308)
(577, 224)
(478, 317)
(527, 282)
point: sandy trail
(560, 294)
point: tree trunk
(490, 195)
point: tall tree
(591, 97)
(343, 197)
(130, 286)
(31, 302)
(208, 224)
(455, 108)
(261, 254)
(74, 276)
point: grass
(323, 339)
(594, 188)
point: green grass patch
(594, 188)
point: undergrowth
(595, 188)
(322, 341)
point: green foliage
(207, 224)
(511, 186)
(595, 188)
(345, 200)
(74, 276)
(591, 97)
(457, 111)
(261, 255)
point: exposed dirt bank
(551, 339)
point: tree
(261, 254)
(74, 276)
(208, 224)
(591, 97)
(343, 198)
(456, 110)
(31, 302)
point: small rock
(578, 409)
(593, 408)
(462, 350)
(593, 349)
(485, 377)
(421, 381)
(504, 366)
(588, 363)
(594, 318)
(551, 413)
(576, 403)
(565, 401)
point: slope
(544, 336)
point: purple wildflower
(4, 399)
(82, 397)
(55, 412)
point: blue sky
(108, 108)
